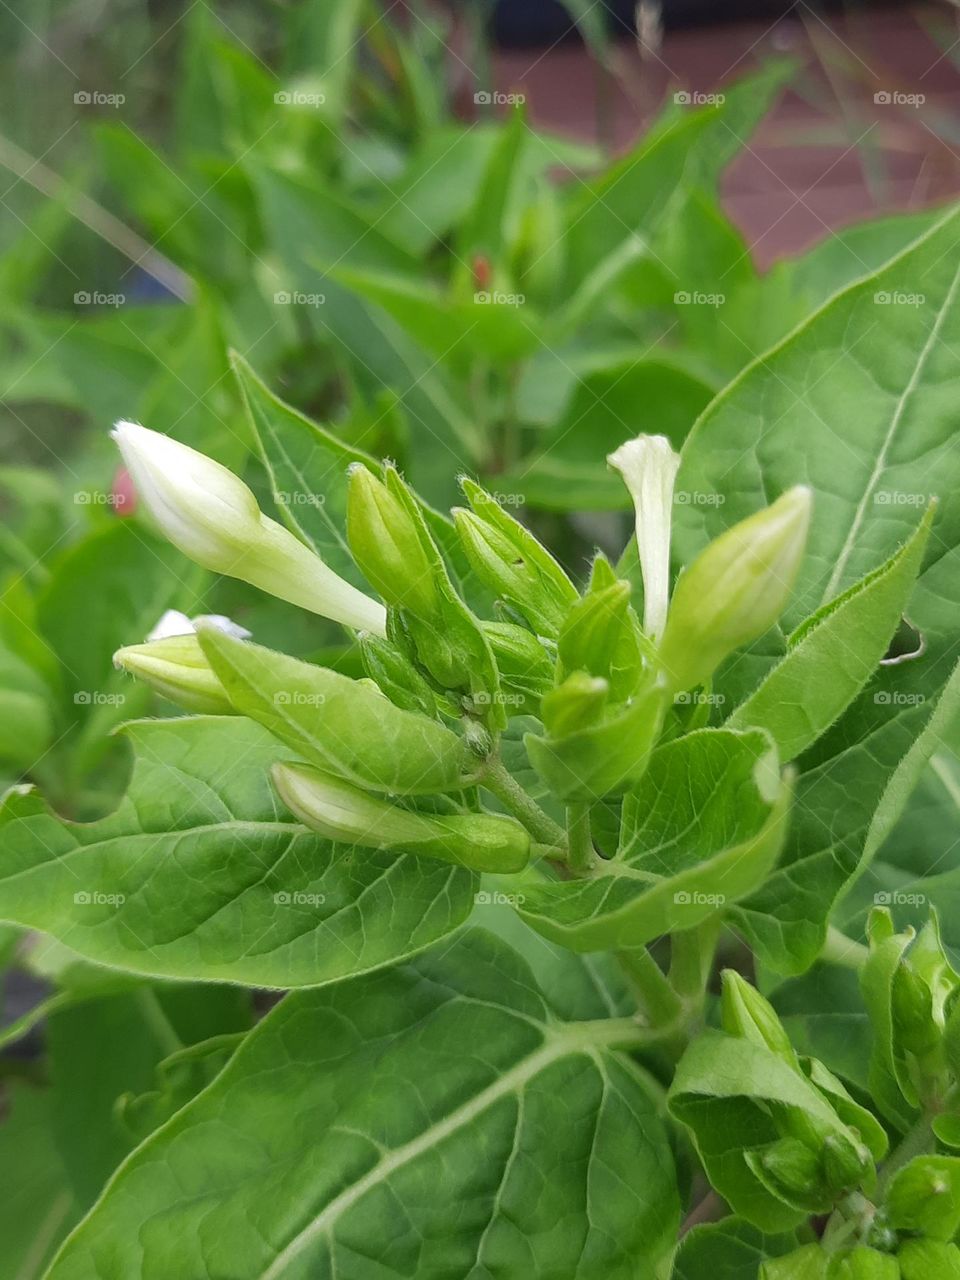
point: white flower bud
(210, 515)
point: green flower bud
(806, 1263)
(600, 635)
(924, 1197)
(396, 675)
(512, 562)
(863, 1263)
(792, 1171)
(387, 545)
(210, 515)
(745, 1013)
(929, 1260)
(735, 590)
(845, 1162)
(484, 842)
(649, 468)
(577, 704)
(591, 750)
(178, 669)
(526, 669)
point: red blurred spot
(481, 271)
(123, 495)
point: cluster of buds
(442, 683)
(820, 1154)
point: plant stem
(512, 796)
(582, 856)
(840, 950)
(915, 1141)
(691, 959)
(661, 1004)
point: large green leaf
(437, 1119)
(201, 874)
(859, 402)
(701, 829)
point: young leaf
(737, 1098)
(200, 875)
(833, 654)
(531, 1143)
(701, 829)
(344, 726)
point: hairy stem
(582, 856)
(512, 796)
(691, 959)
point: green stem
(915, 1142)
(582, 856)
(840, 950)
(512, 796)
(660, 1002)
(691, 959)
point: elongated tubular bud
(178, 669)
(735, 590)
(483, 842)
(210, 515)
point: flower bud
(396, 676)
(793, 1171)
(512, 562)
(648, 466)
(387, 546)
(210, 515)
(340, 812)
(577, 704)
(863, 1263)
(526, 669)
(600, 636)
(845, 1163)
(178, 669)
(745, 1013)
(809, 1262)
(735, 590)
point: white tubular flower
(210, 515)
(648, 466)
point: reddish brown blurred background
(871, 124)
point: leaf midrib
(881, 459)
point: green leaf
(867, 387)
(701, 829)
(888, 1076)
(731, 1249)
(833, 654)
(217, 882)
(307, 467)
(26, 722)
(439, 1117)
(485, 326)
(344, 726)
(683, 149)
